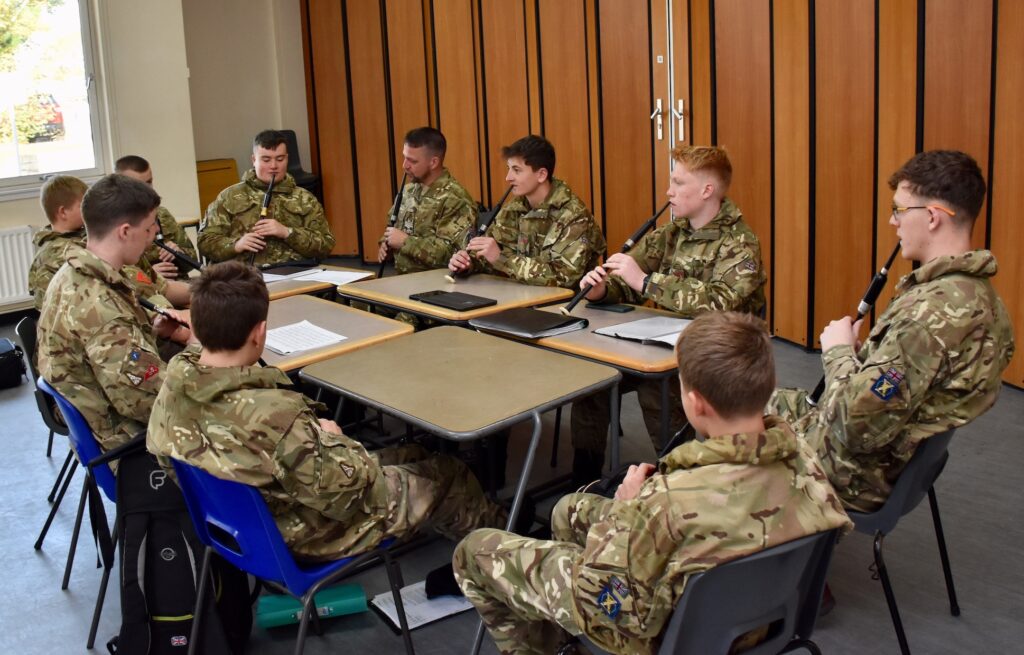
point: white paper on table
(335, 277)
(297, 337)
(660, 330)
(274, 277)
(419, 610)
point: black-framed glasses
(898, 211)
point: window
(48, 111)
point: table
(393, 293)
(362, 329)
(285, 288)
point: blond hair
(60, 191)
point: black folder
(460, 302)
(527, 323)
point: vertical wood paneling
(897, 123)
(408, 61)
(506, 93)
(700, 72)
(457, 90)
(307, 66)
(369, 114)
(957, 82)
(681, 71)
(1007, 172)
(595, 112)
(533, 63)
(792, 169)
(627, 128)
(336, 167)
(742, 55)
(844, 156)
(564, 87)
(660, 62)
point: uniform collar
(49, 234)
(206, 384)
(89, 264)
(728, 215)
(976, 263)
(287, 185)
(776, 443)
(558, 197)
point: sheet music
(301, 336)
(274, 277)
(419, 610)
(660, 329)
(335, 277)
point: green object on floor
(273, 610)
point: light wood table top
(632, 355)
(394, 292)
(362, 329)
(459, 383)
(188, 222)
(285, 288)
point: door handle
(680, 115)
(658, 116)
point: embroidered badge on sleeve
(887, 384)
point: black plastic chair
(780, 587)
(308, 181)
(916, 480)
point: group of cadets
(766, 466)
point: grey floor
(979, 493)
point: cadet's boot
(586, 467)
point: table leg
(613, 426)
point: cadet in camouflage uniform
(617, 567)
(934, 359)
(706, 258)
(545, 235)
(295, 228)
(173, 233)
(96, 346)
(436, 210)
(219, 410)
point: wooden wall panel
(1007, 195)
(743, 65)
(844, 156)
(660, 63)
(791, 22)
(408, 61)
(957, 82)
(565, 94)
(626, 126)
(506, 95)
(457, 90)
(595, 114)
(373, 150)
(700, 72)
(897, 123)
(326, 34)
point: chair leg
(806, 644)
(300, 639)
(954, 607)
(102, 594)
(394, 572)
(49, 444)
(74, 533)
(197, 613)
(554, 440)
(890, 597)
(68, 461)
(56, 506)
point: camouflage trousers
(434, 491)
(591, 415)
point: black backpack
(12, 364)
(160, 557)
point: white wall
(245, 60)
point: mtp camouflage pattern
(552, 245)
(617, 568)
(932, 362)
(173, 232)
(237, 208)
(328, 495)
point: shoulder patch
(749, 265)
(608, 603)
(142, 277)
(887, 384)
(151, 371)
(135, 379)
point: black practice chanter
(630, 242)
(393, 219)
(159, 310)
(481, 230)
(866, 303)
(263, 213)
(185, 262)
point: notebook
(659, 331)
(460, 302)
(527, 323)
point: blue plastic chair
(97, 476)
(232, 519)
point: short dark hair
(429, 137)
(269, 139)
(131, 163)
(947, 175)
(535, 150)
(727, 358)
(228, 300)
(60, 191)
(114, 200)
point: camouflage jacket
(97, 348)
(933, 361)
(172, 231)
(436, 218)
(710, 502)
(237, 208)
(552, 245)
(717, 267)
(326, 493)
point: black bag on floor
(159, 557)
(12, 364)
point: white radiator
(16, 252)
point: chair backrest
(911, 487)
(234, 519)
(26, 331)
(781, 586)
(294, 159)
(83, 442)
